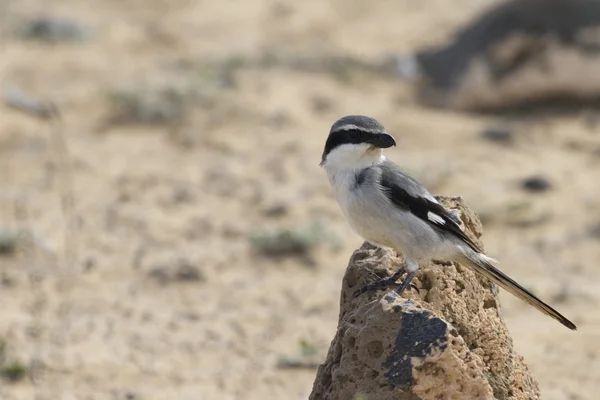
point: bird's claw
(412, 285)
(380, 285)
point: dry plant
(28, 248)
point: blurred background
(166, 232)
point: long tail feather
(482, 265)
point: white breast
(364, 207)
(373, 216)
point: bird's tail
(482, 264)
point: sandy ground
(91, 301)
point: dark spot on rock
(350, 278)
(359, 255)
(489, 303)
(536, 184)
(426, 282)
(391, 297)
(419, 335)
(460, 286)
(375, 349)
(351, 342)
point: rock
(276, 210)
(536, 184)
(19, 100)
(178, 270)
(498, 134)
(516, 54)
(49, 29)
(445, 341)
(8, 241)
(188, 272)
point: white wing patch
(431, 198)
(435, 218)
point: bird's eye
(354, 134)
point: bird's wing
(409, 195)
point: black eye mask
(355, 136)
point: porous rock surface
(445, 341)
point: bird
(390, 209)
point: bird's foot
(384, 284)
(407, 282)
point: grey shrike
(390, 209)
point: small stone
(53, 30)
(180, 270)
(536, 184)
(188, 272)
(499, 135)
(8, 241)
(276, 210)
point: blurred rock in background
(520, 53)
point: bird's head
(355, 142)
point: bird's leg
(411, 271)
(409, 266)
(381, 284)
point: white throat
(352, 157)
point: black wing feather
(408, 194)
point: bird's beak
(383, 140)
